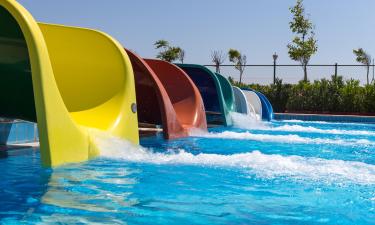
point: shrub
(321, 96)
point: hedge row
(321, 96)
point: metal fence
(263, 74)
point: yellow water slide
(69, 80)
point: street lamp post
(274, 56)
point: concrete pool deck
(19, 146)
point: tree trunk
(368, 71)
(241, 77)
(217, 68)
(305, 72)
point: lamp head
(275, 56)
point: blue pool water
(282, 172)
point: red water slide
(166, 96)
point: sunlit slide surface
(57, 76)
(247, 103)
(166, 98)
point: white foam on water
(263, 165)
(247, 121)
(306, 121)
(310, 129)
(250, 123)
(326, 122)
(290, 138)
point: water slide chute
(208, 83)
(228, 94)
(240, 101)
(261, 104)
(69, 80)
(266, 107)
(254, 103)
(166, 96)
(184, 95)
(247, 102)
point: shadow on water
(14, 150)
(3, 154)
(5, 128)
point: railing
(292, 73)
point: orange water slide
(166, 96)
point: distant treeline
(321, 96)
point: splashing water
(243, 121)
(311, 129)
(290, 138)
(211, 178)
(247, 121)
(263, 165)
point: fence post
(274, 56)
(373, 69)
(335, 70)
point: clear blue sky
(257, 28)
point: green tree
(239, 61)
(304, 44)
(161, 44)
(167, 52)
(363, 57)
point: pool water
(280, 172)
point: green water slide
(228, 95)
(216, 93)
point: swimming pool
(281, 172)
